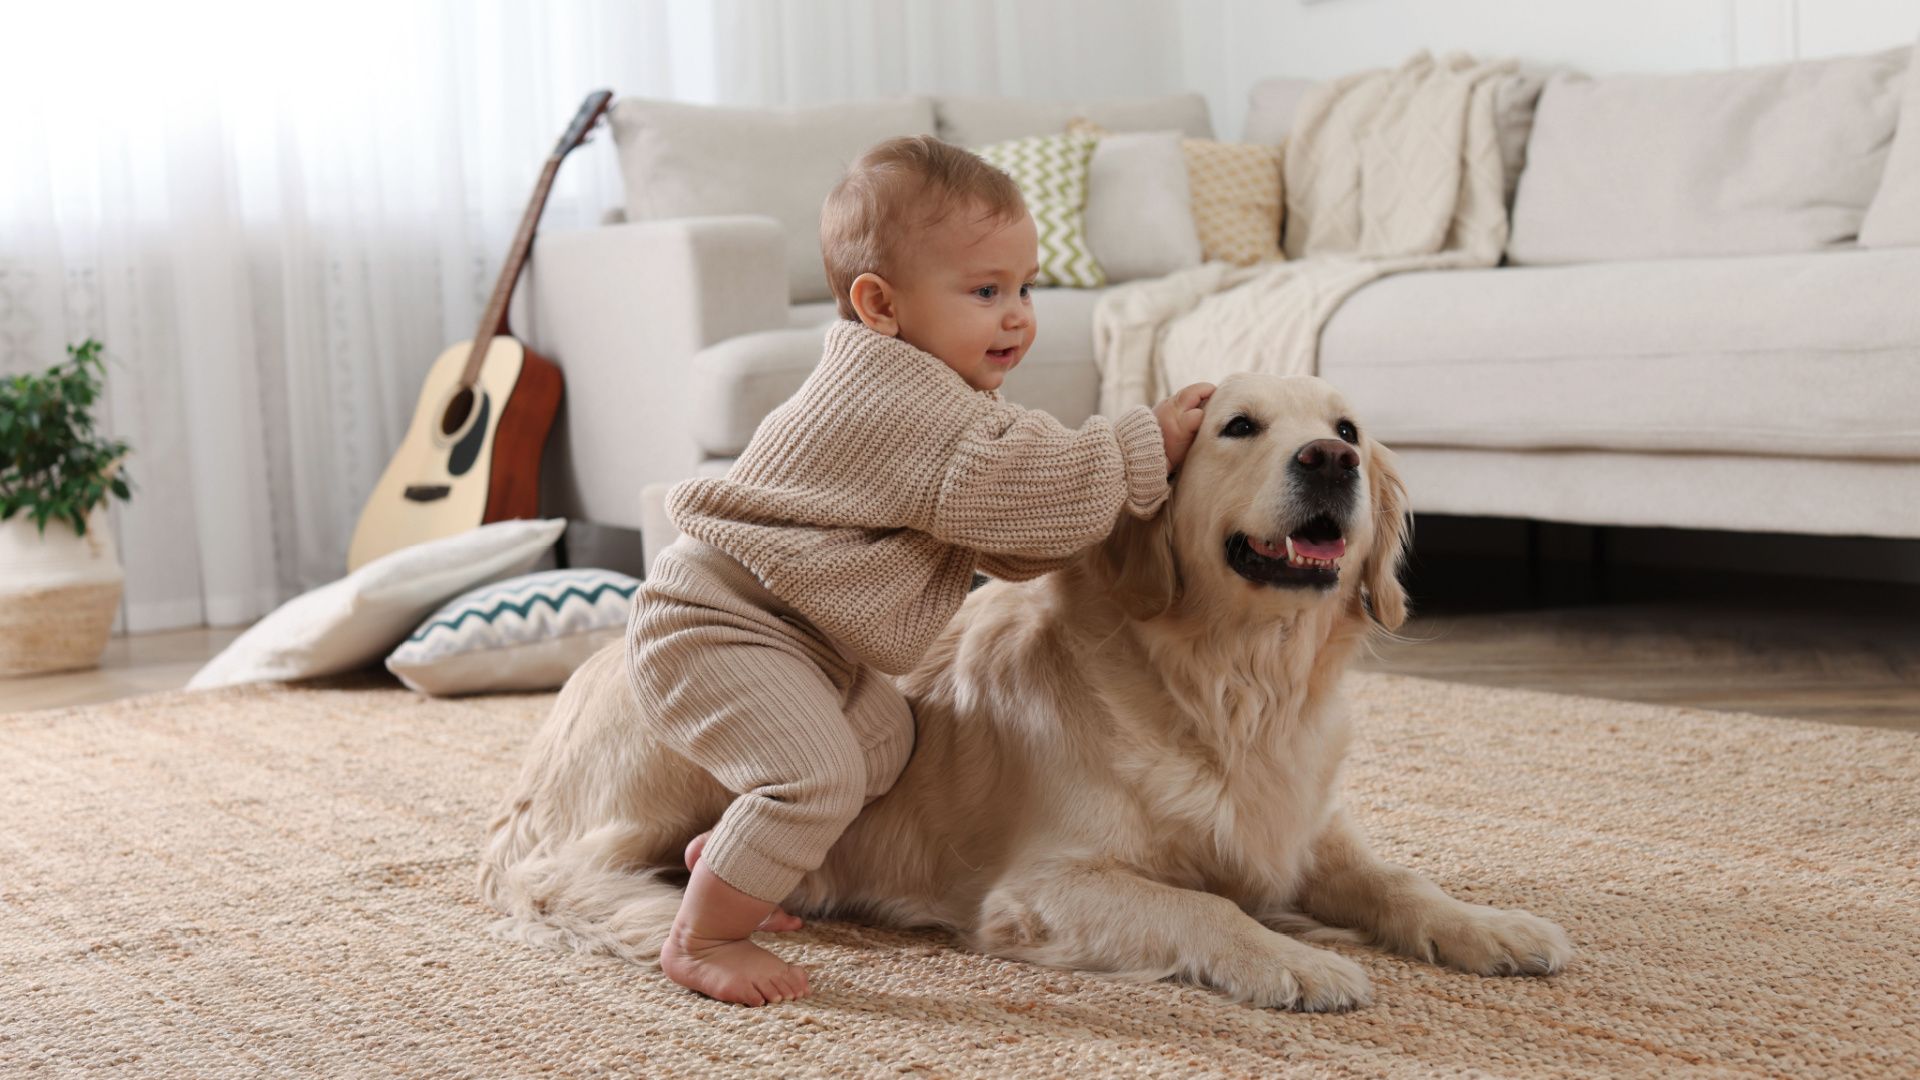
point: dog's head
(1283, 502)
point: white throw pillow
(356, 620)
(1893, 219)
(525, 633)
(682, 160)
(1140, 206)
(1772, 159)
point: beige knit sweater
(867, 500)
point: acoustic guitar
(472, 453)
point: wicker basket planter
(58, 595)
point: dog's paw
(1300, 977)
(1490, 941)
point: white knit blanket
(1385, 171)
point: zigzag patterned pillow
(527, 633)
(1052, 173)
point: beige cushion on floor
(977, 121)
(1893, 219)
(1772, 159)
(682, 160)
(352, 622)
(525, 633)
(1814, 355)
(736, 383)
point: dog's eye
(1239, 427)
(1347, 431)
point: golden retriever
(1127, 766)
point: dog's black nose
(1328, 459)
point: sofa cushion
(1140, 206)
(1239, 193)
(737, 382)
(1052, 173)
(682, 160)
(1773, 159)
(977, 121)
(525, 633)
(1236, 192)
(1893, 218)
(1812, 354)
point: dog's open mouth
(1310, 555)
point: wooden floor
(1835, 652)
(1811, 665)
(135, 664)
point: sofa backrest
(1893, 218)
(979, 121)
(681, 160)
(1781, 158)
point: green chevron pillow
(525, 633)
(1052, 173)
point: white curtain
(276, 215)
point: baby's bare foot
(777, 920)
(737, 971)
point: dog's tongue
(1320, 549)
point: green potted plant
(60, 578)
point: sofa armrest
(735, 384)
(622, 309)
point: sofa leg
(1597, 566)
(1536, 587)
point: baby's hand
(1180, 417)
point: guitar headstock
(583, 122)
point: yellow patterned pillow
(1237, 196)
(1236, 199)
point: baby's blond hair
(896, 189)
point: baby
(848, 532)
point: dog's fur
(1126, 766)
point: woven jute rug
(280, 881)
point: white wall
(1228, 45)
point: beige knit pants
(744, 687)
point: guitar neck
(494, 320)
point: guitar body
(470, 456)
(472, 453)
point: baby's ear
(873, 301)
(1136, 564)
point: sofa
(1706, 316)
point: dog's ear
(1136, 563)
(1381, 574)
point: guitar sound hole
(457, 411)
